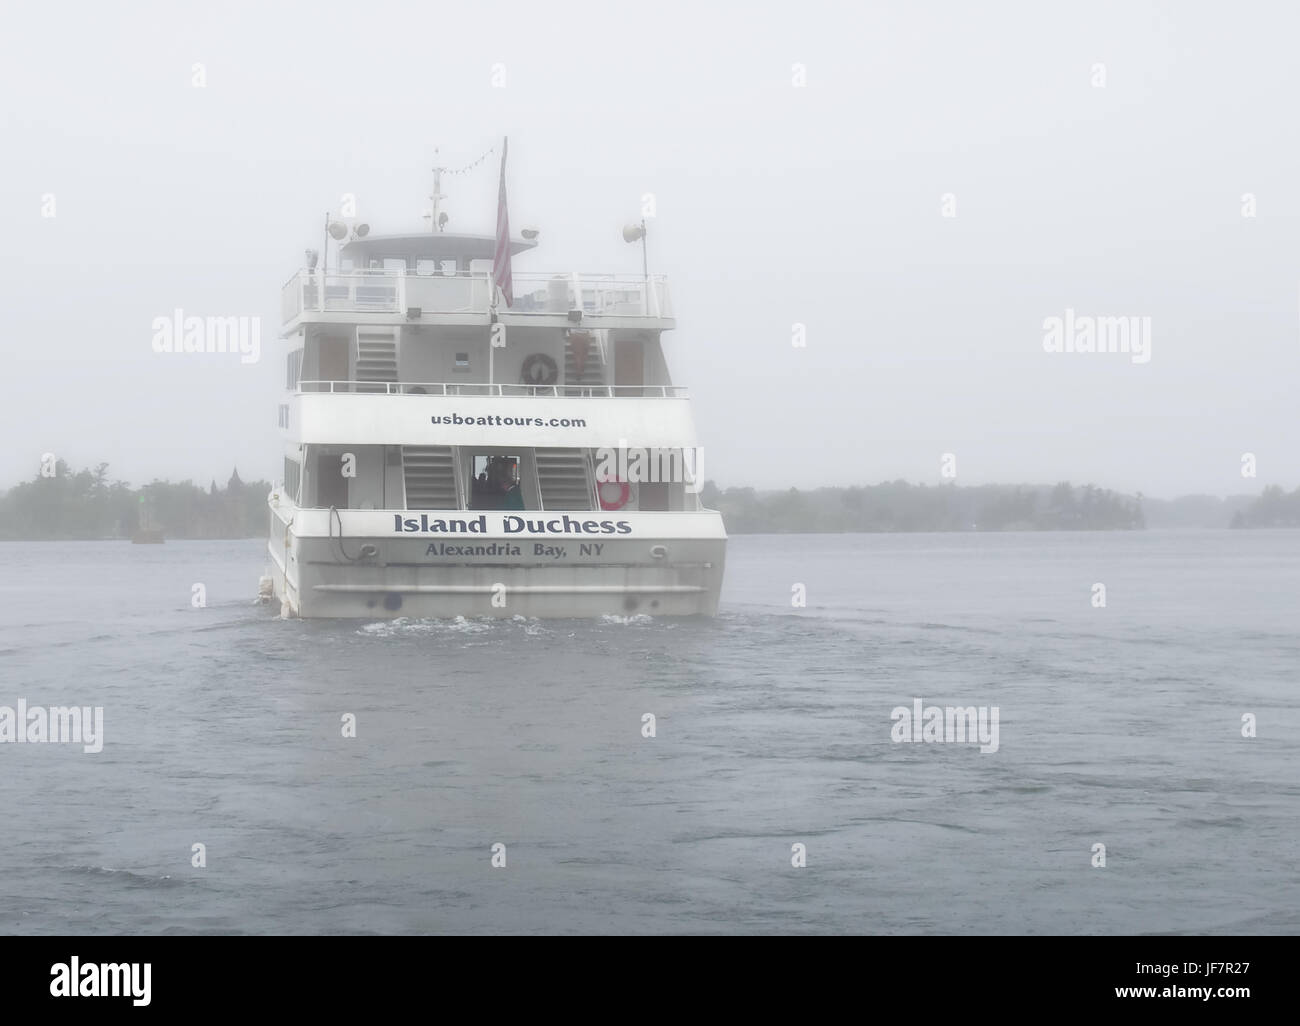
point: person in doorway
(513, 494)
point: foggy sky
(776, 205)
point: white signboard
(333, 419)
(460, 526)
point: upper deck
(446, 278)
(383, 295)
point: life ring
(539, 369)
(623, 494)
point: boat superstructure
(447, 453)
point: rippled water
(1118, 725)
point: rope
(335, 515)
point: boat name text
(509, 525)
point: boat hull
(430, 564)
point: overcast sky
(777, 204)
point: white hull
(400, 564)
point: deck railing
(458, 388)
(387, 291)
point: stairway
(593, 368)
(564, 478)
(430, 476)
(376, 357)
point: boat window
(292, 476)
(396, 265)
(448, 268)
(426, 266)
(462, 363)
(494, 482)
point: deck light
(636, 233)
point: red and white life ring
(613, 494)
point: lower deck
(492, 477)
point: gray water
(1119, 725)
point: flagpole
(501, 271)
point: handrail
(570, 277)
(482, 389)
(536, 292)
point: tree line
(900, 506)
(87, 504)
(1274, 508)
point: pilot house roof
(430, 246)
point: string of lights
(467, 167)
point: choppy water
(1119, 726)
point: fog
(1117, 160)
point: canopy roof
(430, 246)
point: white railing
(374, 291)
(596, 294)
(385, 291)
(458, 388)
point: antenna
(436, 215)
(435, 224)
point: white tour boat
(463, 440)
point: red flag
(501, 258)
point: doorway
(332, 360)
(331, 485)
(629, 365)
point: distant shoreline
(747, 534)
(63, 505)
